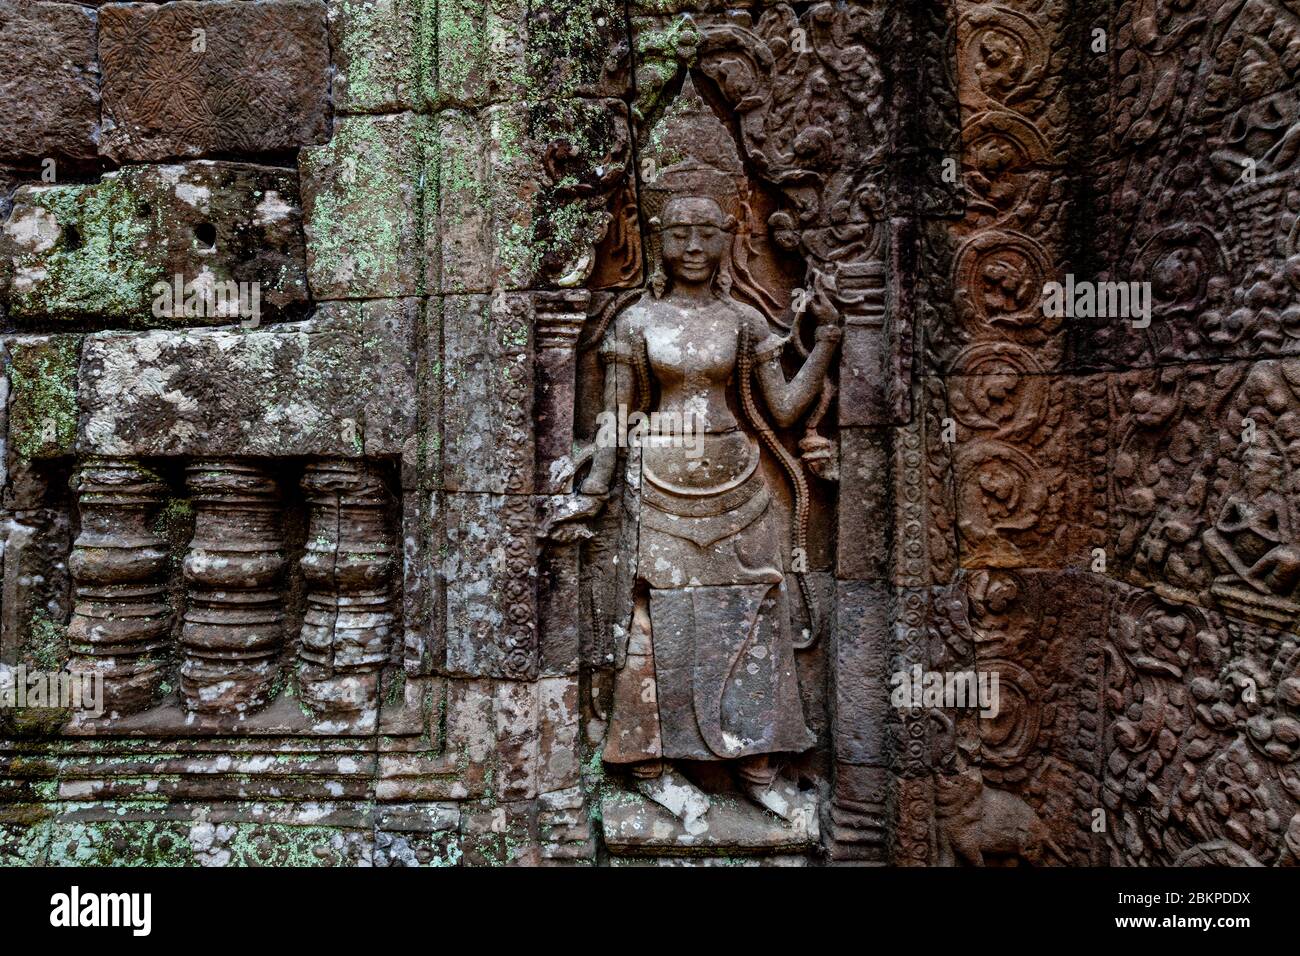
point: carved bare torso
(691, 353)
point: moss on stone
(46, 645)
(101, 263)
(43, 395)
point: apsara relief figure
(708, 670)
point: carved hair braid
(799, 521)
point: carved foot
(678, 796)
(785, 800)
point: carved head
(1264, 469)
(1258, 70)
(695, 234)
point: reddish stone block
(192, 79)
(49, 97)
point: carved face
(695, 236)
(1257, 77)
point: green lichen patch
(80, 250)
(46, 646)
(378, 57)
(43, 394)
(479, 51)
(362, 205)
(577, 47)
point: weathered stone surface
(518, 739)
(213, 77)
(524, 191)
(112, 250)
(382, 52)
(578, 48)
(862, 671)
(34, 613)
(480, 48)
(49, 89)
(487, 394)
(862, 539)
(363, 195)
(42, 399)
(633, 824)
(490, 570)
(299, 390)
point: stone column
(864, 355)
(559, 317)
(121, 619)
(559, 320)
(348, 627)
(234, 625)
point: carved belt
(708, 520)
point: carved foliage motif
(1009, 67)
(189, 78)
(1201, 198)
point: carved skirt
(714, 676)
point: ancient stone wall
(316, 316)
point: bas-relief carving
(694, 652)
(704, 667)
(1200, 189)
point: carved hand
(822, 304)
(566, 516)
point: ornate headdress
(693, 154)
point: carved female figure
(708, 672)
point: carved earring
(658, 282)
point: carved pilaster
(121, 618)
(864, 360)
(559, 320)
(348, 627)
(559, 317)
(234, 625)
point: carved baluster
(121, 618)
(349, 624)
(234, 625)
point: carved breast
(691, 350)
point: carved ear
(654, 222)
(731, 224)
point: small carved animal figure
(974, 820)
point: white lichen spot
(271, 209)
(33, 228)
(196, 196)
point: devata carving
(706, 670)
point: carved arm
(787, 401)
(619, 391)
